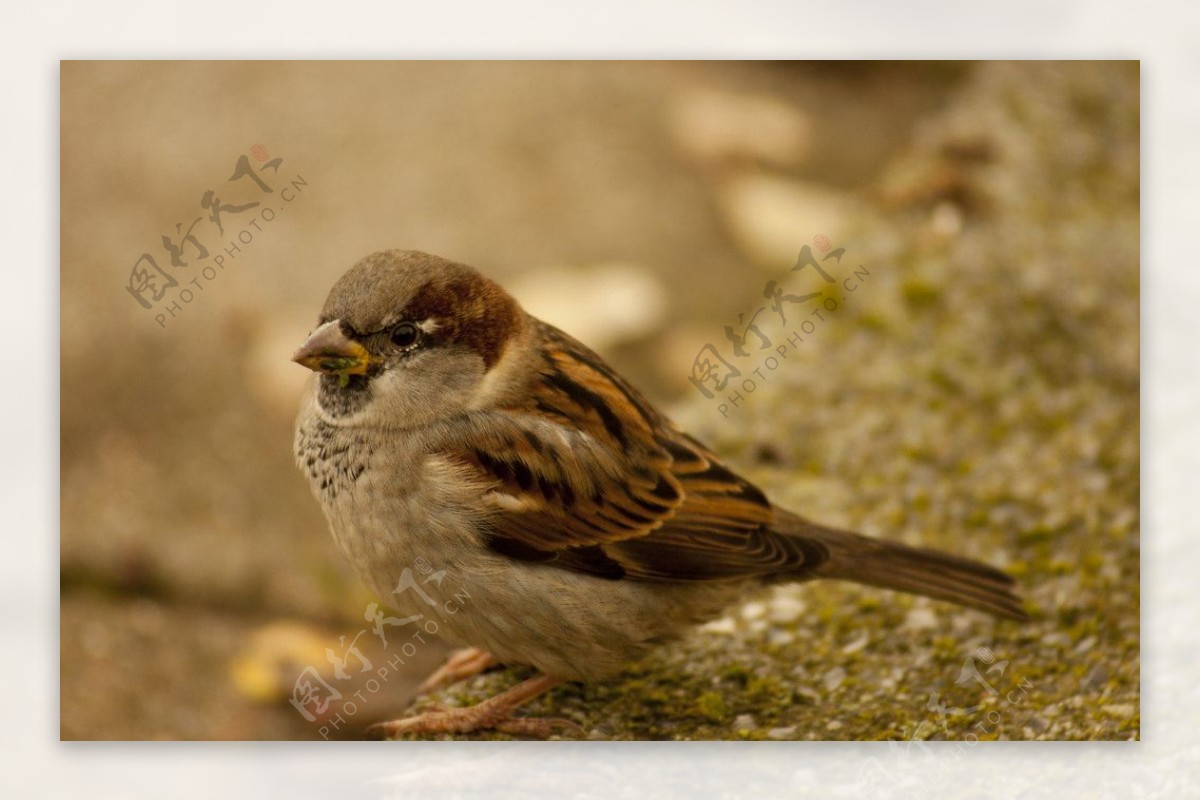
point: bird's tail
(893, 566)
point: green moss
(870, 321)
(1091, 561)
(737, 674)
(869, 603)
(946, 648)
(1061, 567)
(711, 706)
(1036, 534)
(920, 294)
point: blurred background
(984, 383)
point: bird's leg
(494, 713)
(462, 665)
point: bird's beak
(328, 350)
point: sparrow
(448, 428)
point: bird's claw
(439, 719)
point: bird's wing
(580, 486)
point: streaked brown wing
(722, 530)
(627, 495)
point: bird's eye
(405, 335)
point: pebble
(1119, 710)
(834, 678)
(754, 610)
(920, 618)
(1095, 678)
(761, 211)
(808, 694)
(946, 220)
(782, 733)
(602, 304)
(716, 128)
(744, 722)
(723, 625)
(780, 637)
(857, 645)
(786, 610)
(1037, 724)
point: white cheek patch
(404, 392)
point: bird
(447, 428)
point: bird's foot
(450, 720)
(462, 665)
(494, 714)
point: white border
(36, 36)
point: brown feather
(648, 502)
(645, 497)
